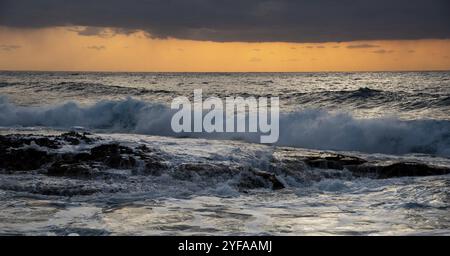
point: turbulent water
(358, 154)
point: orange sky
(63, 48)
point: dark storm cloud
(101, 31)
(248, 21)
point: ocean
(86, 153)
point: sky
(224, 35)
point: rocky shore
(85, 157)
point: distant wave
(86, 88)
(315, 129)
(366, 97)
(6, 84)
(363, 97)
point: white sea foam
(317, 129)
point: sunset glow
(65, 48)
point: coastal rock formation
(307, 163)
(81, 158)
(400, 169)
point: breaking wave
(315, 129)
(365, 97)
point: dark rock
(208, 169)
(335, 161)
(46, 142)
(145, 149)
(75, 157)
(118, 161)
(68, 192)
(69, 170)
(324, 164)
(154, 163)
(106, 150)
(75, 138)
(250, 181)
(189, 170)
(17, 141)
(401, 169)
(311, 166)
(23, 159)
(276, 183)
(154, 166)
(52, 189)
(111, 155)
(252, 178)
(199, 167)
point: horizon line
(325, 71)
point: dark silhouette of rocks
(294, 162)
(70, 170)
(23, 159)
(400, 169)
(114, 156)
(91, 158)
(75, 138)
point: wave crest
(315, 129)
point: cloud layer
(245, 21)
(9, 47)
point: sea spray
(313, 128)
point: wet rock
(17, 153)
(67, 190)
(45, 142)
(324, 164)
(24, 159)
(401, 169)
(16, 156)
(299, 159)
(189, 170)
(106, 150)
(253, 179)
(335, 161)
(143, 149)
(294, 166)
(70, 170)
(118, 161)
(112, 156)
(290, 162)
(250, 181)
(313, 166)
(17, 141)
(82, 157)
(154, 166)
(249, 178)
(276, 183)
(201, 167)
(75, 138)
(67, 231)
